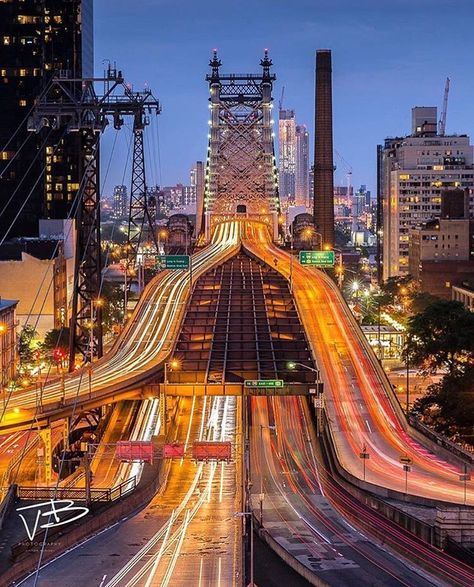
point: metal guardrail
(441, 440)
(78, 494)
(14, 462)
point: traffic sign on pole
(317, 258)
(265, 383)
(406, 460)
(172, 261)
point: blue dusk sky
(387, 57)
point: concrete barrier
(7, 503)
(291, 561)
(67, 537)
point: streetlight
(99, 303)
(407, 362)
(174, 364)
(355, 289)
(242, 515)
(261, 496)
(318, 400)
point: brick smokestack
(323, 150)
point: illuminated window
(22, 103)
(49, 150)
(6, 155)
(6, 40)
(57, 19)
(22, 72)
(404, 177)
(58, 187)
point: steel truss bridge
(234, 318)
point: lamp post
(319, 393)
(242, 515)
(173, 364)
(98, 303)
(262, 495)
(407, 362)
(291, 260)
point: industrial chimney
(323, 151)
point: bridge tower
(241, 174)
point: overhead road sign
(172, 261)
(317, 258)
(264, 383)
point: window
(6, 40)
(22, 103)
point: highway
(143, 345)
(298, 511)
(356, 395)
(187, 535)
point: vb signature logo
(56, 507)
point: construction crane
(280, 103)
(348, 168)
(442, 120)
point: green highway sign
(265, 383)
(317, 258)
(172, 261)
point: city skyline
(388, 53)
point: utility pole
(74, 105)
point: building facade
(8, 345)
(38, 40)
(465, 295)
(120, 203)
(287, 156)
(414, 171)
(302, 167)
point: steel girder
(74, 105)
(240, 163)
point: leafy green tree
(441, 336)
(421, 300)
(449, 404)
(56, 338)
(25, 349)
(112, 311)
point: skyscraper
(415, 170)
(287, 155)
(38, 40)
(302, 166)
(120, 202)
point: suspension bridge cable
(38, 153)
(10, 161)
(28, 114)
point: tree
(25, 349)
(421, 300)
(112, 313)
(449, 404)
(441, 336)
(56, 338)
